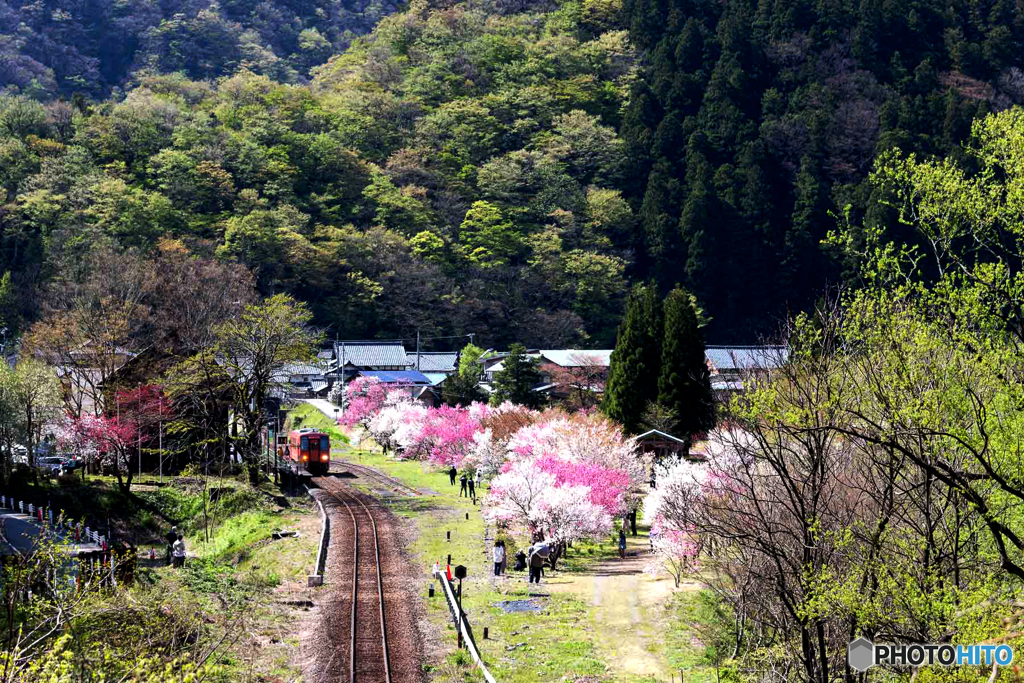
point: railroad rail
(382, 478)
(362, 649)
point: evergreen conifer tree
(632, 375)
(684, 384)
(516, 380)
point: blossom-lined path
(627, 606)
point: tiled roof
(397, 376)
(372, 354)
(433, 361)
(326, 354)
(302, 369)
(733, 358)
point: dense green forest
(498, 167)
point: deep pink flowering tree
(606, 487)
(364, 398)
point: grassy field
(245, 582)
(561, 642)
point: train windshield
(323, 443)
(304, 443)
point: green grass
(305, 415)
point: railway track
(380, 477)
(369, 658)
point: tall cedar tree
(634, 364)
(684, 386)
(516, 380)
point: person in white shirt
(499, 557)
(179, 552)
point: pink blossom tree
(568, 515)
(676, 551)
(515, 495)
(606, 487)
(364, 398)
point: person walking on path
(171, 537)
(499, 557)
(451, 474)
(504, 558)
(179, 552)
(462, 489)
(622, 543)
(472, 486)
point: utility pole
(342, 378)
(417, 350)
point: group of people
(466, 481)
(175, 548)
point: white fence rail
(45, 514)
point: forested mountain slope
(503, 167)
(755, 119)
(455, 171)
(51, 47)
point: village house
(731, 366)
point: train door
(314, 450)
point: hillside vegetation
(502, 168)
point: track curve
(379, 476)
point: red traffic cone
(449, 570)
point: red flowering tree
(117, 441)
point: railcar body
(310, 450)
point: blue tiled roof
(397, 376)
(734, 358)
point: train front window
(304, 443)
(324, 445)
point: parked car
(53, 465)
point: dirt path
(627, 610)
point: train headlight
(323, 458)
(304, 458)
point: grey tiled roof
(372, 354)
(433, 361)
(735, 358)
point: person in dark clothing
(462, 480)
(451, 474)
(622, 543)
(472, 490)
(171, 537)
(520, 564)
(536, 565)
